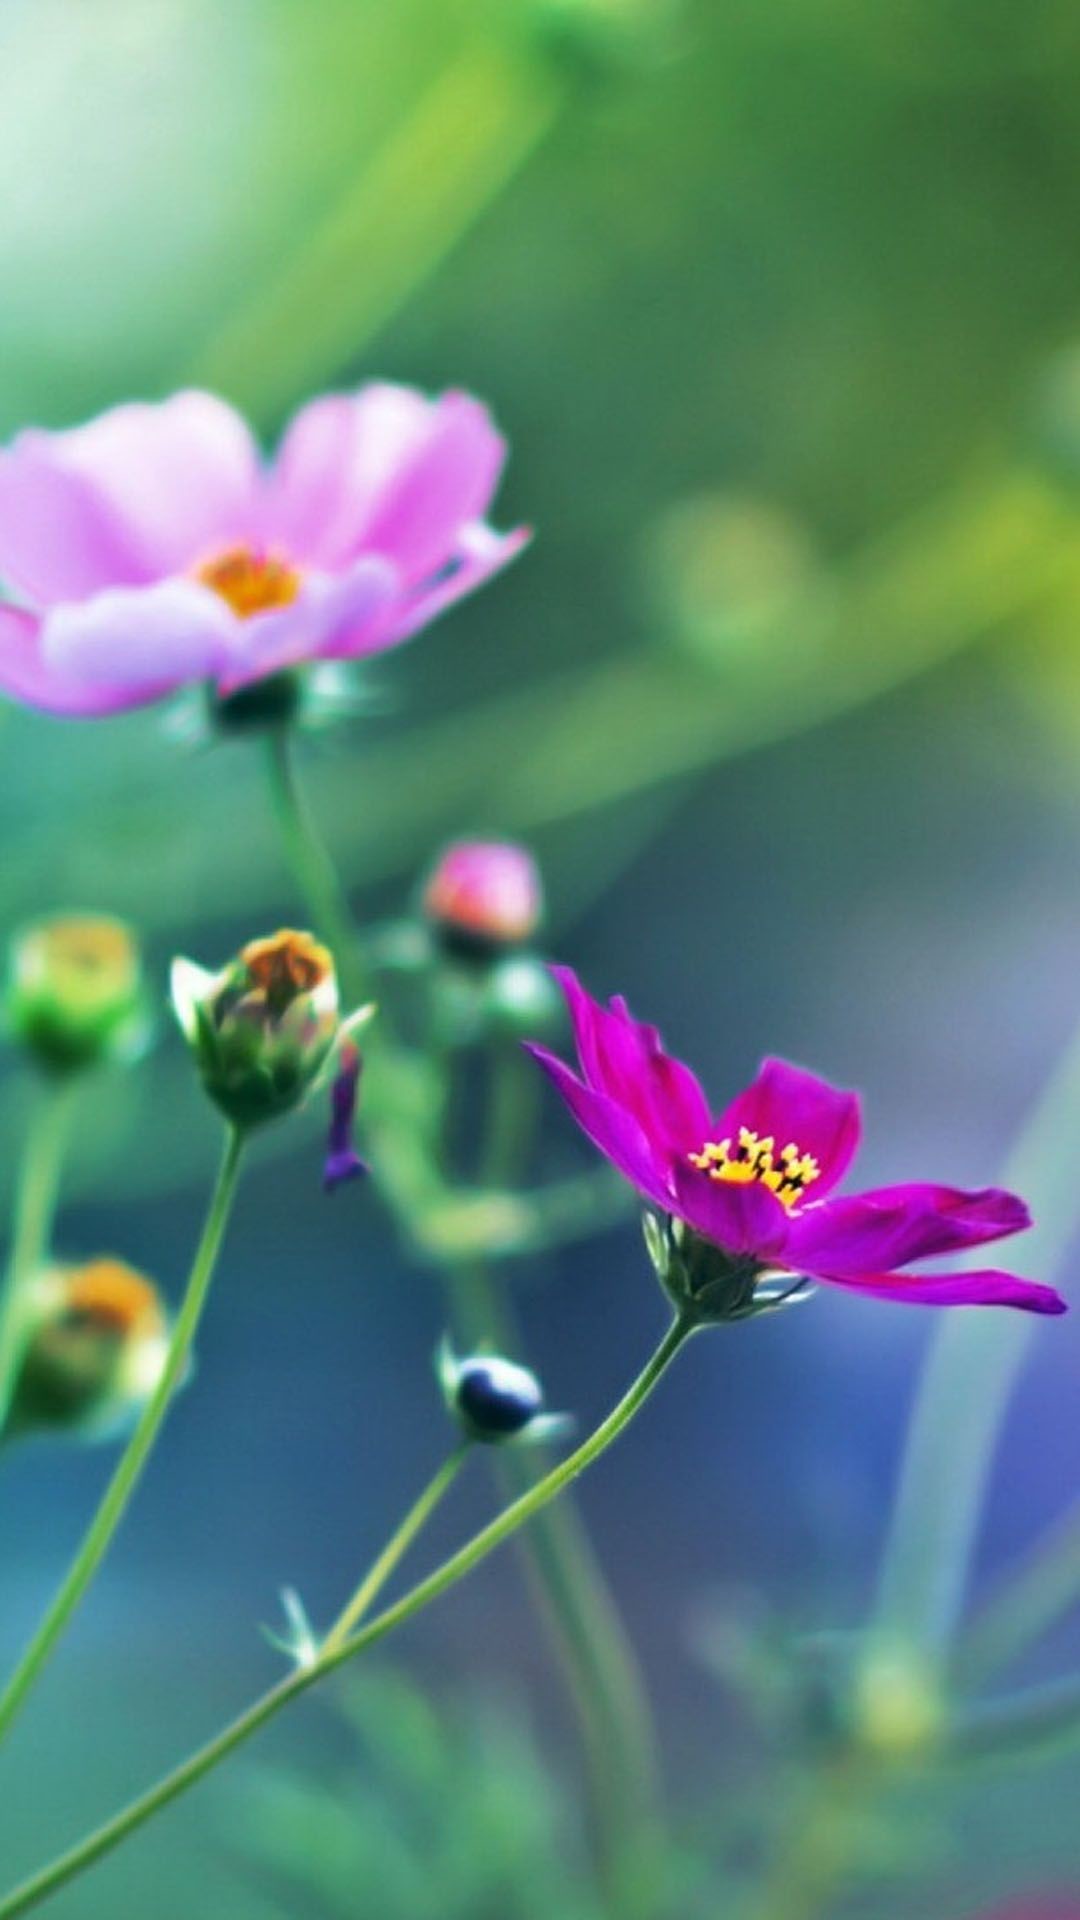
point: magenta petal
(625, 1060)
(889, 1226)
(140, 492)
(609, 1127)
(793, 1105)
(985, 1287)
(136, 643)
(740, 1218)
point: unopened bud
(263, 1028)
(95, 1343)
(483, 896)
(495, 1400)
(75, 993)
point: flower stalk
(35, 1208)
(103, 1841)
(113, 1506)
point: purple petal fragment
(793, 1105)
(342, 1161)
(889, 1226)
(983, 1287)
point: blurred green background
(777, 302)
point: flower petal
(609, 1127)
(25, 675)
(793, 1105)
(741, 1218)
(133, 645)
(625, 1059)
(334, 617)
(889, 1226)
(482, 553)
(983, 1287)
(383, 470)
(140, 492)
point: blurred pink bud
(484, 894)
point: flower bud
(264, 1027)
(75, 993)
(95, 1344)
(494, 1400)
(482, 897)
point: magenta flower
(742, 1195)
(152, 547)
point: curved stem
(35, 1208)
(394, 1551)
(114, 1503)
(107, 1837)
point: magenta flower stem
(114, 1504)
(103, 1841)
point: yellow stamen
(787, 1173)
(107, 1294)
(286, 964)
(250, 582)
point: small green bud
(75, 992)
(95, 1343)
(264, 1027)
(521, 1000)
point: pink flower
(748, 1185)
(485, 894)
(152, 546)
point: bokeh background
(777, 301)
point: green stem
(583, 1622)
(35, 1208)
(114, 1503)
(394, 1551)
(965, 1390)
(310, 864)
(105, 1838)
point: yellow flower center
(250, 582)
(286, 964)
(787, 1172)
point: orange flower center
(250, 582)
(786, 1173)
(110, 1296)
(286, 964)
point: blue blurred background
(776, 302)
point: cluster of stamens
(250, 581)
(787, 1172)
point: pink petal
(140, 492)
(985, 1287)
(131, 645)
(889, 1226)
(447, 483)
(25, 676)
(792, 1105)
(483, 553)
(334, 617)
(740, 1218)
(609, 1127)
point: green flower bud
(95, 1343)
(75, 992)
(521, 1000)
(264, 1027)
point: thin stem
(583, 1622)
(965, 1390)
(310, 863)
(35, 1209)
(62, 1871)
(114, 1503)
(394, 1551)
(1030, 1601)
